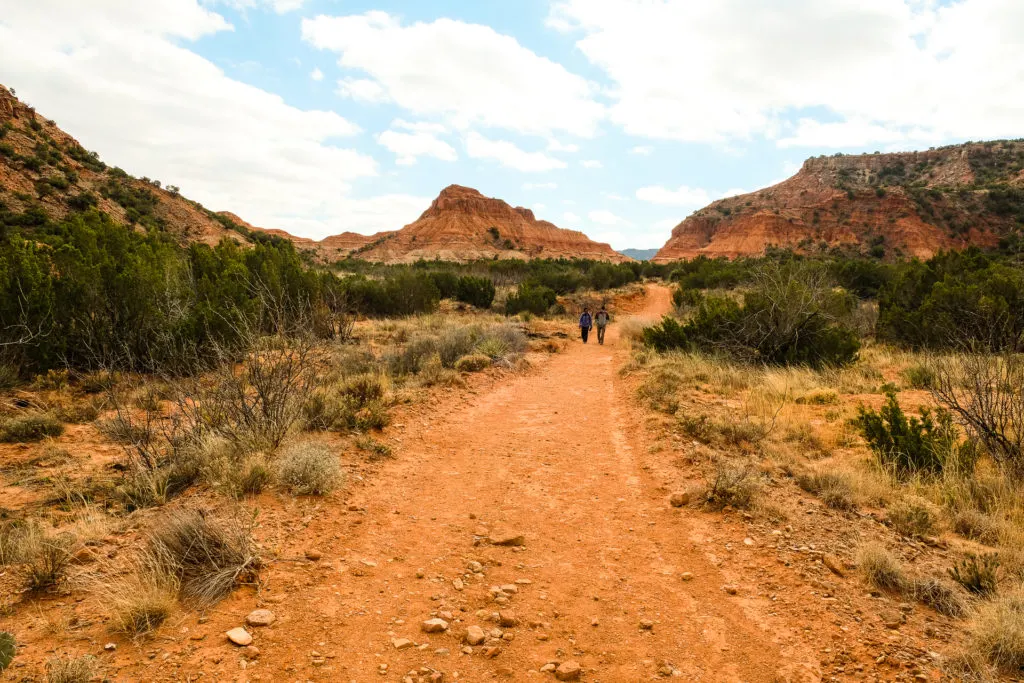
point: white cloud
(615, 197)
(683, 196)
(362, 90)
(540, 186)
(538, 207)
(591, 163)
(642, 150)
(468, 73)
(570, 218)
(508, 154)
(556, 146)
(419, 126)
(408, 146)
(317, 75)
(120, 78)
(279, 6)
(603, 217)
(840, 134)
(738, 69)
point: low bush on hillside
(531, 298)
(31, 427)
(790, 316)
(908, 446)
(309, 469)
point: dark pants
(585, 331)
(600, 334)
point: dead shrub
(206, 557)
(309, 469)
(881, 569)
(76, 670)
(141, 599)
(733, 486)
(986, 394)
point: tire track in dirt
(553, 454)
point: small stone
(507, 619)
(458, 585)
(507, 538)
(568, 671)
(548, 668)
(491, 652)
(730, 589)
(313, 555)
(251, 652)
(475, 635)
(434, 626)
(510, 589)
(748, 541)
(239, 636)
(646, 625)
(678, 500)
(686, 576)
(110, 647)
(475, 567)
(260, 617)
(402, 643)
(833, 565)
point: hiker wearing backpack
(586, 322)
(602, 319)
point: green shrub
(978, 574)
(907, 446)
(28, 428)
(476, 291)
(536, 299)
(8, 649)
(919, 377)
(309, 469)
(790, 316)
(911, 518)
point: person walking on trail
(602, 319)
(586, 323)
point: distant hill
(639, 254)
(42, 166)
(462, 225)
(911, 204)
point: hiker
(602, 319)
(586, 322)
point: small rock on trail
(260, 617)
(568, 671)
(434, 626)
(507, 538)
(239, 636)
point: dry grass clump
(309, 469)
(374, 449)
(734, 485)
(912, 518)
(75, 670)
(997, 633)
(47, 559)
(834, 488)
(142, 599)
(881, 568)
(30, 427)
(473, 363)
(206, 557)
(977, 574)
(940, 596)
(976, 526)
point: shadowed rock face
(462, 224)
(913, 203)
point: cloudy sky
(617, 117)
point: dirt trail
(557, 455)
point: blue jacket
(586, 321)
